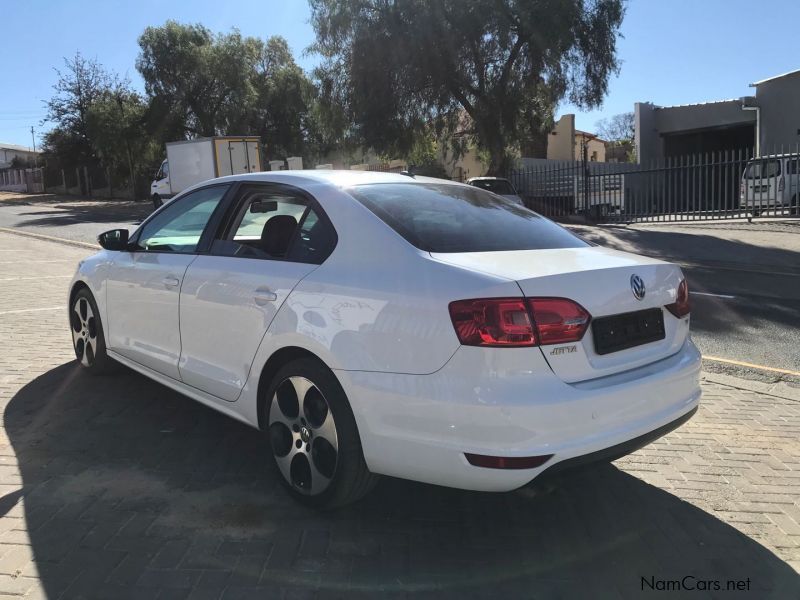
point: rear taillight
(680, 308)
(506, 322)
(492, 322)
(781, 183)
(741, 190)
(558, 320)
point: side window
(178, 227)
(792, 167)
(165, 170)
(315, 242)
(276, 225)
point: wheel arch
(76, 287)
(278, 359)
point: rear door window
(763, 169)
(498, 186)
(455, 218)
(277, 223)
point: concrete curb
(49, 238)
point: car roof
(333, 177)
(757, 158)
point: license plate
(627, 330)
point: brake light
(506, 322)
(680, 308)
(492, 322)
(781, 183)
(741, 190)
(558, 320)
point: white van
(771, 183)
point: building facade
(759, 124)
(8, 152)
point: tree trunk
(492, 139)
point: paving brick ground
(117, 487)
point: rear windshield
(498, 186)
(451, 218)
(762, 169)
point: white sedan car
(375, 323)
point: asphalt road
(744, 278)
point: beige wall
(464, 167)
(566, 143)
(596, 149)
(561, 141)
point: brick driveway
(118, 487)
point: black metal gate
(713, 185)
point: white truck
(193, 161)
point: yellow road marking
(739, 363)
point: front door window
(178, 227)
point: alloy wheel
(84, 331)
(303, 435)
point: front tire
(313, 436)
(157, 201)
(88, 340)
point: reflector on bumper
(507, 462)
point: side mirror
(116, 239)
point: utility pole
(33, 140)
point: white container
(295, 163)
(193, 161)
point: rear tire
(313, 436)
(88, 339)
(794, 207)
(157, 201)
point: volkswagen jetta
(374, 323)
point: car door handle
(170, 281)
(265, 296)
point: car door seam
(180, 299)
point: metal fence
(712, 185)
(30, 181)
(96, 182)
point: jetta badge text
(564, 350)
(637, 287)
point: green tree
(117, 122)
(78, 86)
(398, 66)
(228, 84)
(203, 78)
(283, 111)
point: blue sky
(674, 52)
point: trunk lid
(599, 279)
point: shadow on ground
(131, 490)
(71, 214)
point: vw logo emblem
(637, 287)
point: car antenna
(408, 172)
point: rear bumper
(619, 450)
(507, 402)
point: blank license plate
(626, 330)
